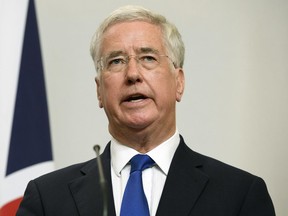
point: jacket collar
(86, 189)
(184, 184)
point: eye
(148, 58)
(115, 61)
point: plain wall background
(236, 67)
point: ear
(98, 86)
(180, 84)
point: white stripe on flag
(13, 188)
(12, 24)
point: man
(139, 57)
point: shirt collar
(162, 154)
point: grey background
(236, 98)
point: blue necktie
(134, 202)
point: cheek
(110, 90)
(165, 89)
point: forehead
(132, 36)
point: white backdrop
(236, 97)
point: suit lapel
(86, 189)
(184, 183)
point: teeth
(135, 100)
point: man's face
(137, 98)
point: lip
(135, 99)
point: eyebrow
(140, 50)
(115, 53)
(147, 50)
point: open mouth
(135, 98)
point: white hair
(172, 37)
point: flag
(25, 141)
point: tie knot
(140, 162)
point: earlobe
(98, 87)
(180, 79)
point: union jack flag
(25, 141)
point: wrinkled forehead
(137, 51)
(137, 36)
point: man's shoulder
(67, 173)
(214, 167)
(217, 167)
(221, 176)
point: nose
(133, 71)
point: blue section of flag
(30, 137)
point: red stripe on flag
(10, 208)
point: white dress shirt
(153, 178)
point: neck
(144, 140)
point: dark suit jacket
(196, 185)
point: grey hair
(172, 37)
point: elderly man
(149, 169)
